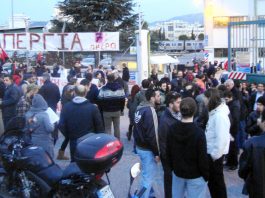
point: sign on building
(243, 62)
(99, 41)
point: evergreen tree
(183, 38)
(98, 15)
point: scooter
(134, 172)
(28, 171)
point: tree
(192, 37)
(183, 38)
(97, 15)
(201, 37)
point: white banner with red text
(95, 41)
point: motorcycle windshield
(13, 132)
(16, 124)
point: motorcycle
(134, 172)
(28, 171)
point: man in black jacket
(125, 78)
(79, 117)
(251, 163)
(170, 116)
(50, 92)
(187, 154)
(11, 97)
(111, 100)
(234, 107)
(146, 139)
(252, 127)
(254, 97)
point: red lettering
(113, 45)
(97, 46)
(44, 39)
(13, 40)
(20, 41)
(63, 35)
(107, 45)
(32, 40)
(76, 40)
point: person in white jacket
(218, 140)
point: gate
(246, 46)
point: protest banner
(95, 41)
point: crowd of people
(195, 124)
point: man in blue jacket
(146, 140)
(11, 97)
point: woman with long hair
(218, 140)
(132, 105)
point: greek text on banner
(97, 41)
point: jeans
(114, 117)
(151, 174)
(167, 178)
(216, 181)
(192, 188)
(73, 144)
(241, 135)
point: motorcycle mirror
(135, 170)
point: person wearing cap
(25, 101)
(27, 80)
(252, 127)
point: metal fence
(246, 46)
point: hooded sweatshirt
(218, 132)
(186, 151)
(38, 123)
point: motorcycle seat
(71, 169)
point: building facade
(173, 29)
(217, 15)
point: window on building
(189, 44)
(220, 22)
(221, 52)
(261, 17)
(179, 44)
(170, 35)
(170, 28)
(238, 18)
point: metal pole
(229, 47)
(63, 30)
(27, 30)
(12, 13)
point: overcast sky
(153, 10)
